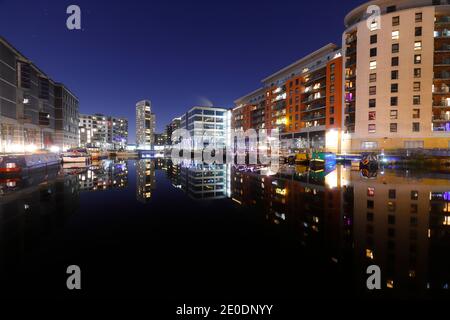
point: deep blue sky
(175, 53)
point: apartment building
(66, 118)
(249, 112)
(170, 128)
(397, 76)
(303, 101)
(145, 125)
(27, 103)
(104, 132)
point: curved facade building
(397, 76)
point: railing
(350, 110)
(442, 117)
(443, 48)
(443, 75)
(315, 77)
(350, 62)
(442, 34)
(312, 98)
(442, 104)
(442, 62)
(443, 20)
(441, 90)
(313, 117)
(314, 107)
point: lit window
(393, 114)
(373, 65)
(418, 45)
(372, 128)
(374, 25)
(395, 35)
(418, 59)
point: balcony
(442, 63)
(312, 99)
(350, 51)
(349, 122)
(443, 48)
(350, 63)
(349, 110)
(442, 76)
(315, 77)
(314, 107)
(312, 117)
(350, 40)
(441, 118)
(442, 34)
(442, 104)
(442, 90)
(442, 20)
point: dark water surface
(149, 229)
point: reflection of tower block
(145, 180)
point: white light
(54, 149)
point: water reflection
(145, 180)
(206, 182)
(398, 220)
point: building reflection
(145, 179)
(205, 182)
(103, 175)
(399, 222)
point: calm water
(151, 229)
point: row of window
(394, 88)
(372, 128)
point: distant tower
(145, 125)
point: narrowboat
(18, 164)
(76, 156)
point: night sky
(176, 53)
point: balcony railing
(441, 118)
(443, 62)
(313, 117)
(312, 98)
(315, 77)
(314, 107)
(350, 63)
(442, 20)
(442, 34)
(442, 104)
(444, 90)
(442, 75)
(443, 48)
(350, 110)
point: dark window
(372, 103)
(394, 101)
(394, 74)
(416, 127)
(417, 73)
(395, 21)
(373, 77)
(373, 39)
(391, 9)
(418, 31)
(418, 16)
(393, 127)
(373, 52)
(395, 48)
(395, 61)
(394, 87)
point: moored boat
(76, 156)
(14, 164)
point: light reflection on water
(398, 220)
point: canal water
(151, 229)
